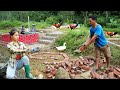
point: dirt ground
(37, 62)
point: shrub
(9, 24)
(51, 20)
(112, 25)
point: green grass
(39, 25)
(8, 25)
(4, 31)
(73, 38)
(115, 55)
(112, 29)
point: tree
(85, 15)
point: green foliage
(112, 29)
(51, 20)
(4, 31)
(74, 39)
(23, 15)
(115, 55)
(105, 18)
(102, 21)
(9, 24)
(113, 22)
(112, 25)
(39, 25)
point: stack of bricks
(110, 73)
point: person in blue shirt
(100, 42)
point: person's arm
(83, 47)
(87, 43)
(25, 48)
(13, 50)
(89, 38)
(96, 34)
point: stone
(40, 76)
(79, 77)
(2, 73)
(61, 73)
(86, 75)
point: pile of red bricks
(73, 67)
(79, 66)
(109, 73)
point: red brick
(80, 62)
(116, 73)
(97, 75)
(67, 69)
(63, 65)
(49, 75)
(101, 64)
(118, 69)
(105, 76)
(72, 74)
(92, 74)
(85, 67)
(56, 66)
(72, 71)
(84, 62)
(53, 72)
(101, 76)
(111, 69)
(77, 63)
(111, 75)
(82, 48)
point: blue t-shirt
(101, 40)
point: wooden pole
(28, 24)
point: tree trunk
(85, 15)
(106, 12)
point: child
(18, 59)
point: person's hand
(82, 48)
(86, 45)
(22, 50)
